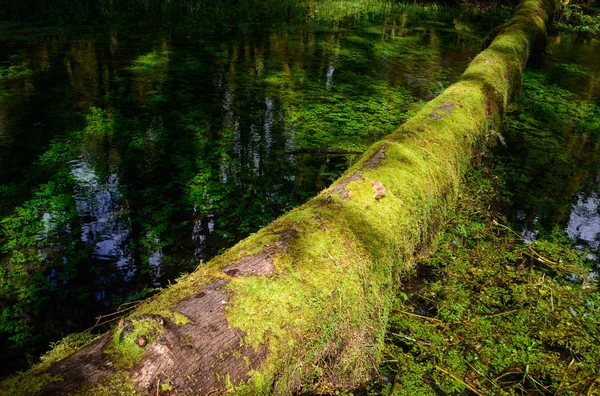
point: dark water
(127, 158)
(551, 156)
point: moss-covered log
(302, 305)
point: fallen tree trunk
(302, 305)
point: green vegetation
(550, 146)
(421, 168)
(581, 18)
(320, 314)
(208, 15)
(325, 306)
(494, 314)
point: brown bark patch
(340, 188)
(258, 265)
(376, 158)
(201, 354)
(445, 107)
(261, 264)
(87, 366)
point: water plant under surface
(314, 279)
(105, 132)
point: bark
(302, 305)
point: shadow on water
(126, 160)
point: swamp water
(128, 158)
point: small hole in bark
(200, 295)
(141, 341)
(232, 272)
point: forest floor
(491, 313)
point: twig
(120, 311)
(412, 339)
(100, 324)
(469, 387)
(535, 255)
(129, 303)
(564, 377)
(592, 386)
(420, 316)
(99, 318)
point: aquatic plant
(302, 304)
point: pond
(130, 157)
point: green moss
(124, 348)
(67, 346)
(322, 313)
(118, 384)
(163, 303)
(34, 380)
(29, 383)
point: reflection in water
(330, 71)
(102, 221)
(584, 221)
